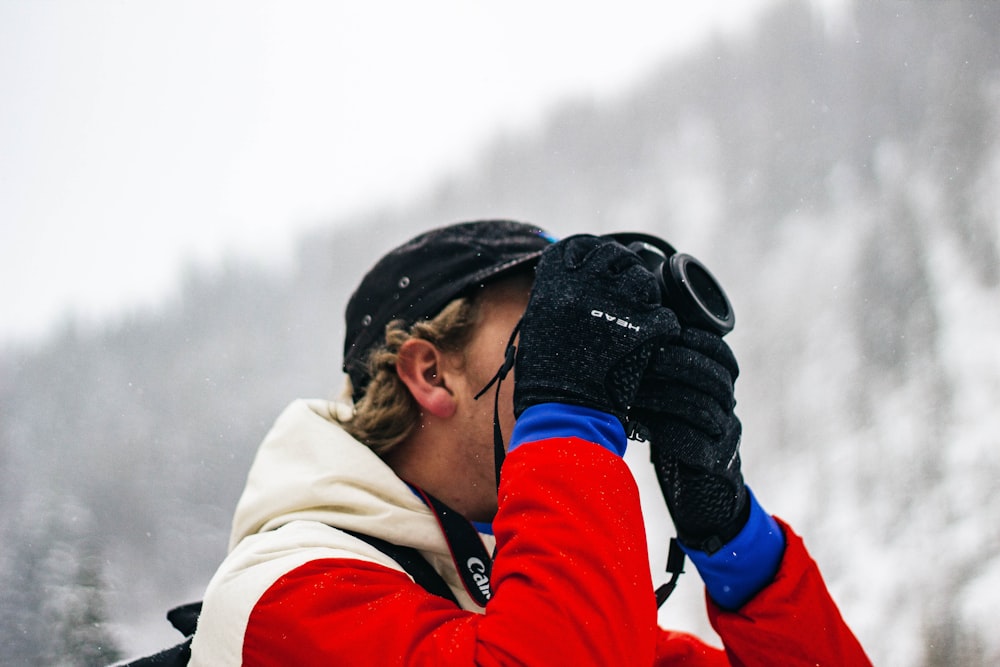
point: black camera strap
(510, 354)
(473, 563)
(675, 568)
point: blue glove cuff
(745, 564)
(559, 420)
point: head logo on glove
(614, 318)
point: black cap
(419, 278)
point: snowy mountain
(839, 178)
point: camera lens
(707, 291)
(688, 287)
(696, 295)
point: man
(517, 496)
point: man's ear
(419, 365)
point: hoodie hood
(308, 468)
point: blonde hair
(388, 413)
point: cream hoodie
(309, 479)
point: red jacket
(571, 586)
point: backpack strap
(413, 564)
(185, 617)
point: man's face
(501, 307)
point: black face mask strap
(510, 353)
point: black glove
(686, 404)
(592, 322)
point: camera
(686, 286)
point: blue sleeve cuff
(558, 420)
(746, 564)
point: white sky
(136, 136)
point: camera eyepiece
(686, 285)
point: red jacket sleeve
(571, 583)
(679, 649)
(793, 621)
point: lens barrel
(686, 285)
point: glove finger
(712, 346)
(595, 254)
(690, 407)
(620, 269)
(679, 366)
(611, 266)
(574, 251)
(685, 444)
